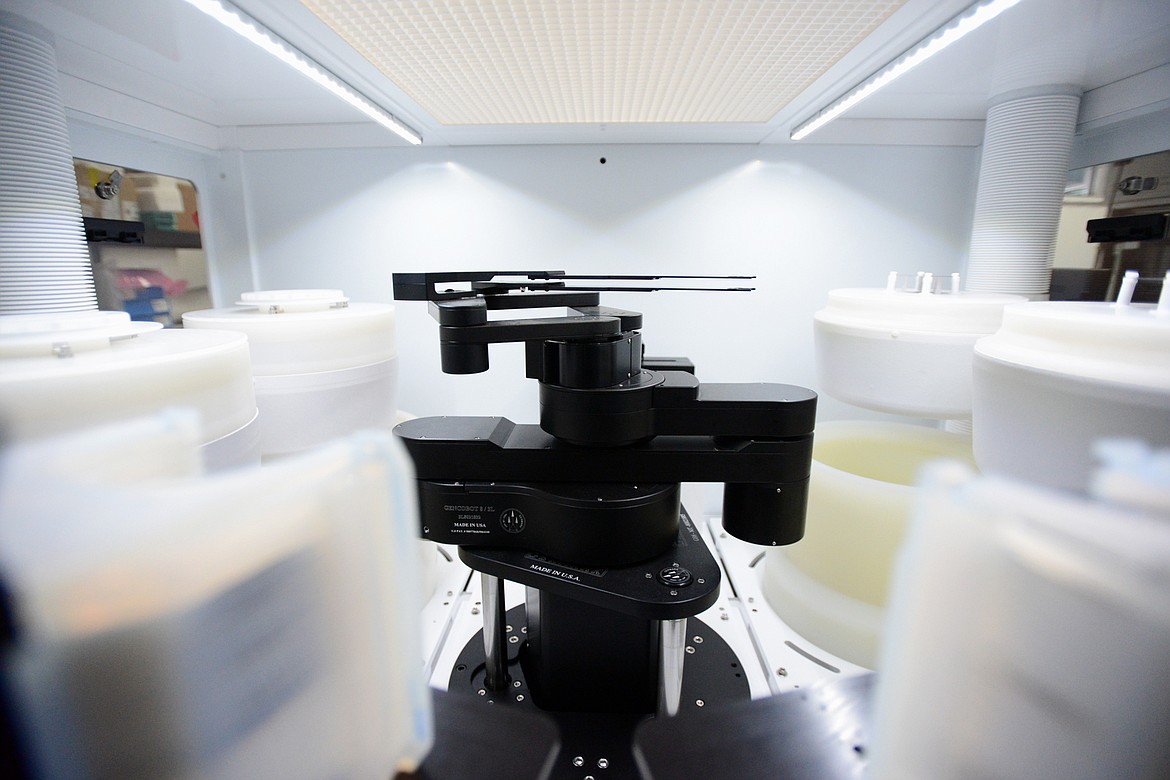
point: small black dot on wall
(602, 161)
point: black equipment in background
(583, 509)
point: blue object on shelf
(149, 304)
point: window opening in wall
(144, 241)
(1113, 220)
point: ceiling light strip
(231, 17)
(969, 20)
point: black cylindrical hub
(771, 514)
(456, 358)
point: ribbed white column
(1021, 186)
(44, 262)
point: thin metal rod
(671, 654)
(494, 635)
(555, 276)
(597, 288)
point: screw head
(579, 761)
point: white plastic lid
(305, 331)
(906, 311)
(45, 394)
(287, 301)
(65, 333)
(1110, 342)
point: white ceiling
(485, 62)
(163, 67)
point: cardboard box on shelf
(188, 218)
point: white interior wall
(803, 220)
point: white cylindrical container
(1060, 375)
(244, 624)
(323, 367)
(830, 587)
(66, 371)
(1042, 620)
(903, 352)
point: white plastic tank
(1028, 632)
(255, 623)
(831, 586)
(906, 348)
(1060, 375)
(323, 366)
(64, 371)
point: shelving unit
(123, 231)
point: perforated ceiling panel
(506, 62)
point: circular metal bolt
(475, 610)
(482, 692)
(701, 581)
(519, 697)
(690, 650)
(516, 684)
(674, 593)
(603, 763)
(699, 702)
(698, 640)
(724, 616)
(513, 639)
(508, 629)
(649, 576)
(782, 672)
(578, 761)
